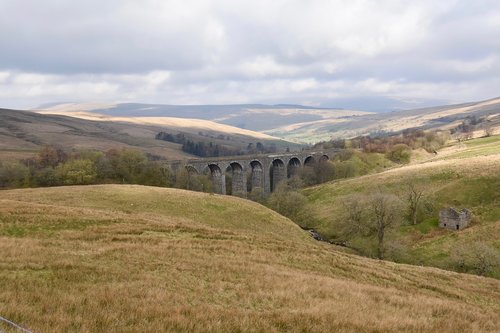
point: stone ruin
(453, 219)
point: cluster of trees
(364, 217)
(211, 149)
(198, 148)
(396, 147)
(465, 130)
(52, 167)
(368, 222)
(175, 138)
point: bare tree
(478, 257)
(371, 216)
(414, 194)
(488, 130)
(384, 214)
(354, 216)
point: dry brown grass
(140, 259)
(191, 125)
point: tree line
(204, 148)
(52, 166)
(397, 147)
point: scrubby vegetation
(385, 143)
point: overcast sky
(354, 53)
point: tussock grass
(117, 258)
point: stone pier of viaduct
(252, 172)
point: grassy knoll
(119, 258)
(465, 175)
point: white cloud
(4, 76)
(470, 66)
(262, 66)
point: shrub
(77, 172)
(399, 153)
(14, 174)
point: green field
(118, 258)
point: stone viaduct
(249, 172)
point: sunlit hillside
(440, 117)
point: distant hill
(24, 132)
(118, 258)
(294, 122)
(255, 117)
(440, 117)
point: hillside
(441, 117)
(129, 258)
(293, 122)
(465, 175)
(23, 133)
(255, 117)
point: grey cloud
(229, 51)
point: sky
(359, 54)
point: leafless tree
(477, 257)
(488, 130)
(414, 195)
(371, 216)
(384, 214)
(354, 216)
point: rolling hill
(441, 117)
(295, 122)
(255, 117)
(23, 132)
(119, 258)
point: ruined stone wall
(451, 218)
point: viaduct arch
(246, 173)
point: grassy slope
(433, 117)
(130, 258)
(466, 175)
(23, 133)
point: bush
(400, 153)
(287, 202)
(14, 174)
(154, 175)
(77, 172)
(478, 258)
(46, 177)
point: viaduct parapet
(251, 172)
